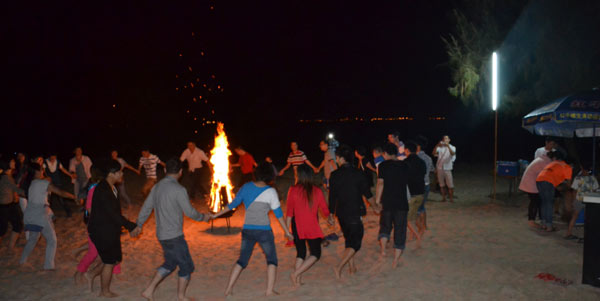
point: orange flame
(220, 178)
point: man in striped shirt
(295, 159)
(149, 162)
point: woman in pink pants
(92, 254)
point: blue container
(507, 168)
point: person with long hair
(259, 199)
(104, 226)
(303, 203)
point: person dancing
(303, 202)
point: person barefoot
(303, 203)
(348, 186)
(259, 199)
(391, 192)
(104, 226)
(170, 201)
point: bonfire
(221, 189)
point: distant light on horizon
(494, 81)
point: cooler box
(507, 168)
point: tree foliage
(547, 49)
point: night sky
(277, 62)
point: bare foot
(78, 277)
(294, 280)
(108, 294)
(228, 292)
(273, 293)
(534, 225)
(90, 281)
(147, 295)
(397, 262)
(338, 273)
(185, 298)
(353, 271)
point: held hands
(316, 170)
(136, 232)
(330, 220)
(289, 236)
(207, 217)
(281, 173)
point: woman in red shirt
(303, 202)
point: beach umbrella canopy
(574, 115)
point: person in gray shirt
(9, 205)
(170, 201)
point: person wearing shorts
(446, 155)
(170, 201)
(258, 199)
(347, 188)
(391, 193)
(105, 224)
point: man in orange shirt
(549, 179)
(246, 163)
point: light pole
(495, 107)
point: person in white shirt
(192, 178)
(79, 167)
(550, 145)
(446, 155)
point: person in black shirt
(104, 226)
(416, 187)
(348, 186)
(391, 192)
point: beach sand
(474, 250)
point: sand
(474, 250)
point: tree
(547, 49)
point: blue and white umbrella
(574, 115)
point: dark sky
(279, 61)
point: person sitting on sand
(259, 199)
(528, 185)
(391, 192)
(104, 226)
(303, 202)
(554, 176)
(583, 183)
(170, 201)
(38, 216)
(347, 188)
